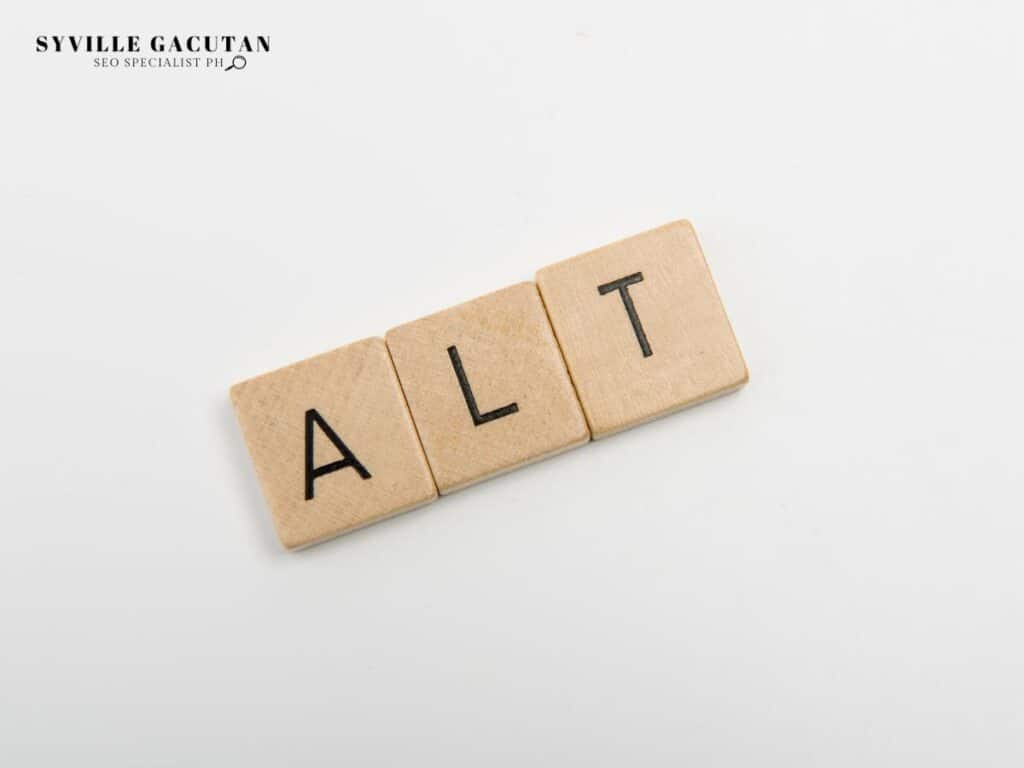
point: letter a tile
(642, 328)
(333, 443)
(487, 386)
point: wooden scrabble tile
(642, 328)
(333, 443)
(487, 386)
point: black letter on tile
(622, 286)
(313, 472)
(467, 392)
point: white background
(822, 570)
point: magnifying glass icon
(238, 62)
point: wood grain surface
(525, 406)
(354, 396)
(642, 328)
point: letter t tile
(642, 328)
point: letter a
(312, 471)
